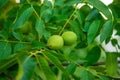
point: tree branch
(66, 64)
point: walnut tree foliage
(25, 28)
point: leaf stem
(66, 64)
(39, 19)
(68, 20)
(36, 14)
(37, 59)
(15, 42)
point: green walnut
(55, 42)
(69, 38)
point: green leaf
(111, 64)
(17, 36)
(3, 2)
(23, 15)
(93, 55)
(39, 26)
(114, 42)
(47, 34)
(66, 50)
(27, 65)
(98, 69)
(81, 53)
(86, 75)
(56, 62)
(93, 15)
(59, 55)
(76, 28)
(115, 13)
(20, 47)
(22, 1)
(81, 18)
(46, 69)
(78, 72)
(39, 73)
(93, 31)
(3, 78)
(37, 45)
(71, 68)
(86, 26)
(46, 11)
(106, 31)
(82, 44)
(93, 72)
(116, 2)
(3, 34)
(6, 63)
(118, 46)
(85, 9)
(58, 3)
(101, 7)
(5, 50)
(9, 61)
(104, 78)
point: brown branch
(66, 64)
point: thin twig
(68, 20)
(66, 64)
(15, 42)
